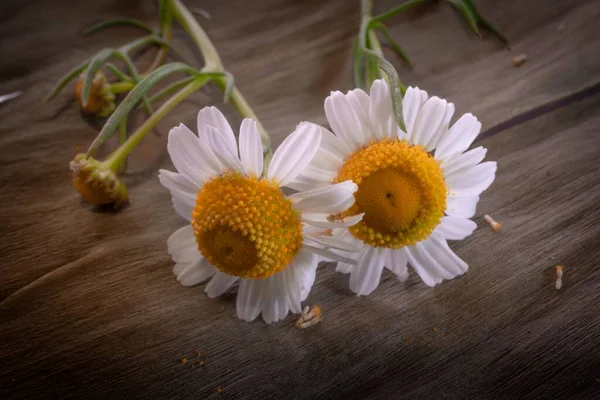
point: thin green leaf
(64, 81)
(152, 39)
(163, 13)
(117, 22)
(170, 89)
(227, 84)
(229, 87)
(467, 12)
(97, 62)
(90, 72)
(489, 27)
(118, 73)
(396, 10)
(136, 94)
(393, 79)
(394, 45)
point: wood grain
(90, 308)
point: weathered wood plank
(260, 68)
(115, 322)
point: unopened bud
(96, 182)
(101, 101)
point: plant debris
(309, 317)
(496, 226)
(519, 60)
(559, 274)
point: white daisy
(243, 229)
(417, 189)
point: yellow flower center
(401, 190)
(245, 226)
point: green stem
(167, 36)
(372, 39)
(118, 156)
(198, 35)
(214, 64)
(121, 87)
(122, 138)
(385, 66)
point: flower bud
(96, 182)
(101, 101)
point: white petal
(181, 239)
(430, 120)
(183, 207)
(343, 120)
(292, 288)
(396, 262)
(279, 299)
(435, 138)
(332, 242)
(420, 265)
(186, 153)
(360, 103)
(459, 137)
(437, 246)
(312, 219)
(456, 163)
(305, 268)
(464, 207)
(219, 284)
(331, 199)
(274, 306)
(223, 152)
(251, 151)
(365, 277)
(328, 254)
(178, 185)
(434, 261)
(302, 183)
(413, 100)
(332, 146)
(455, 228)
(249, 299)
(294, 154)
(431, 259)
(344, 268)
(472, 181)
(211, 116)
(381, 111)
(186, 254)
(193, 273)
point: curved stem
(198, 35)
(161, 56)
(214, 64)
(364, 40)
(121, 87)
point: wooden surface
(89, 307)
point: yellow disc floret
(245, 226)
(401, 190)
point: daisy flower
(243, 229)
(417, 189)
